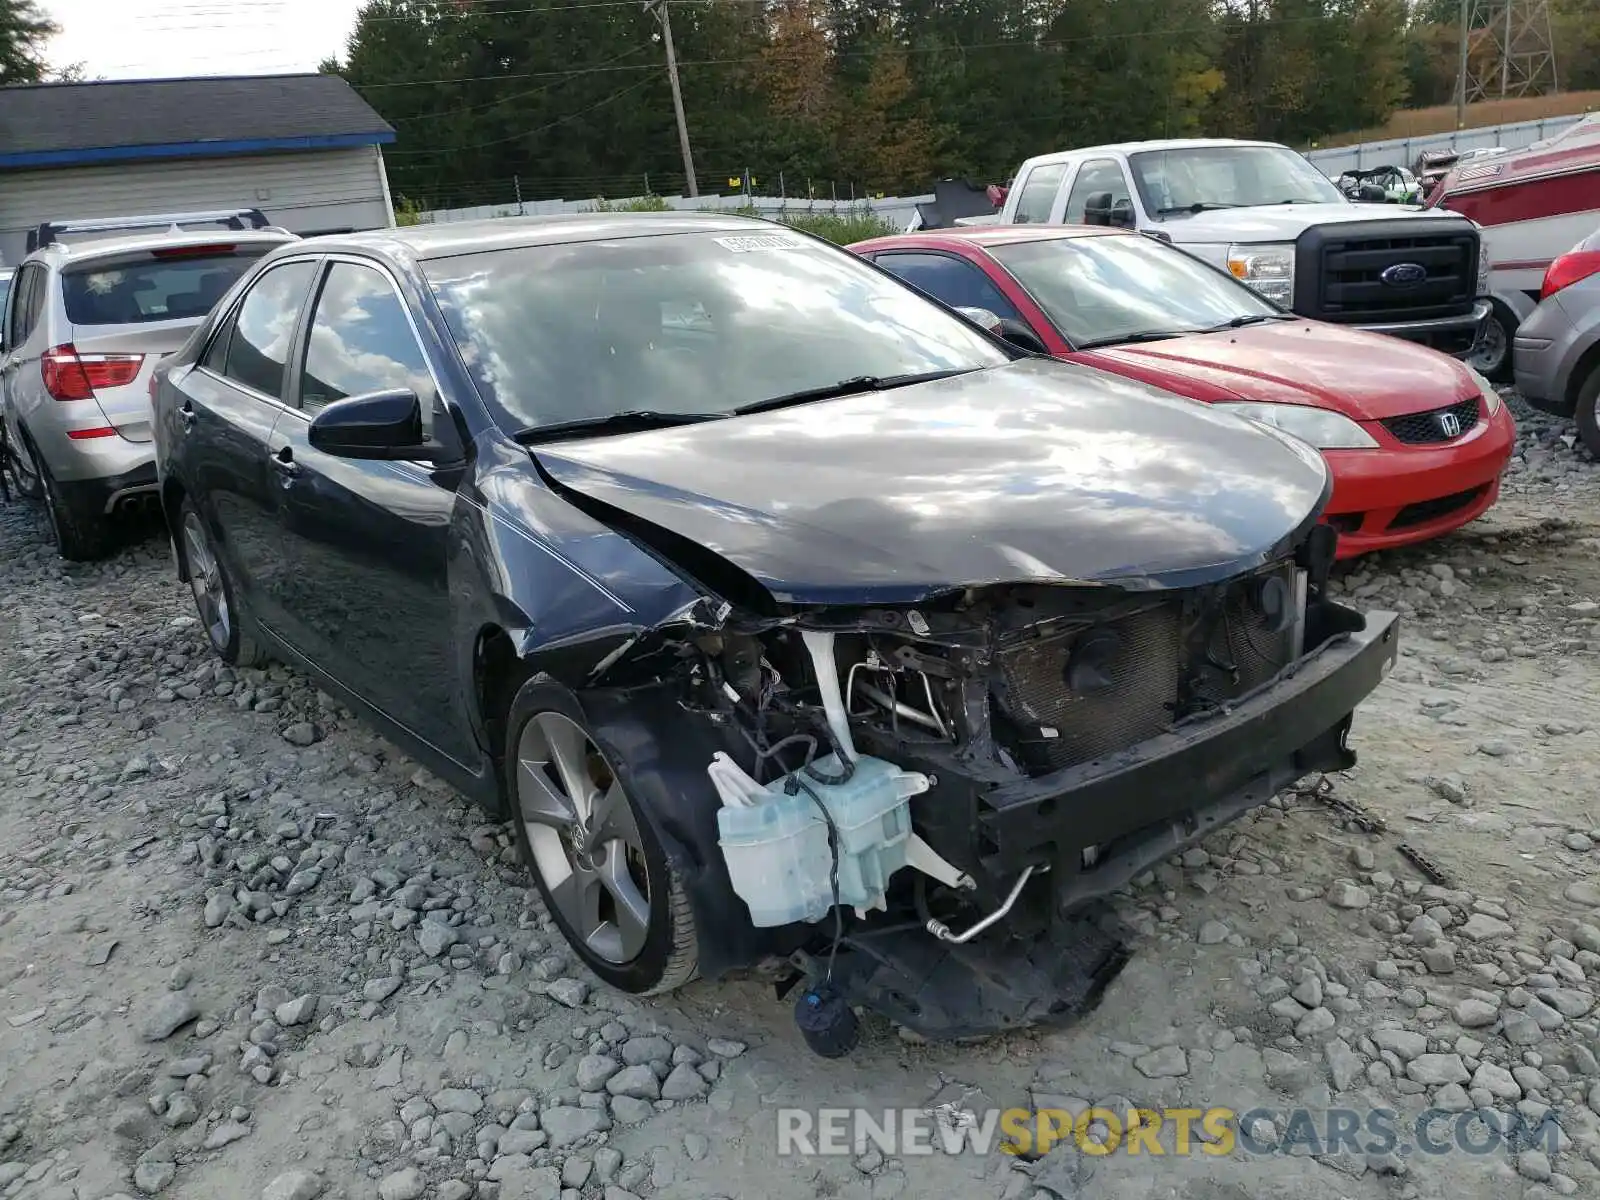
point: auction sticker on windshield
(744, 243)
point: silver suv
(84, 326)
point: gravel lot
(248, 949)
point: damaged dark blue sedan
(796, 623)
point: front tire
(1492, 355)
(215, 601)
(595, 860)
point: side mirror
(1020, 336)
(1097, 209)
(377, 425)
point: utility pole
(1461, 73)
(659, 8)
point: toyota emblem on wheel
(1449, 424)
(1404, 275)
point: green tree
(24, 32)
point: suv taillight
(69, 375)
(1568, 270)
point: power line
(517, 137)
(956, 48)
(539, 91)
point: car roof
(1141, 147)
(994, 235)
(449, 238)
(71, 251)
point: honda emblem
(1449, 424)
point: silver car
(1557, 349)
(84, 326)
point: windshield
(685, 323)
(1114, 287)
(1175, 181)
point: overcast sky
(140, 39)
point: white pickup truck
(1264, 213)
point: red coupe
(1415, 439)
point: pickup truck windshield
(1122, 287)
(1197, 178)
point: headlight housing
(1269, 269)
(1323, 429)
(1483, 267)
(1491, 398)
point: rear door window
(167, 286)
(263, 331)
(1038, 195)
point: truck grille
(1056, 727)
(1436, 425)
(1340, 272)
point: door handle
(283, 463)
(188, 414)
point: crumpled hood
(1276, 222)
(1036, 471)
(1365, 376)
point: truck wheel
(604, 878)
(1492, 354)
(1587, 414)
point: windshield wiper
(1197, 207)
(1125, 339)
(1252, 319)
(853, 386)
(630, 421)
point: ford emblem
(1404, 275)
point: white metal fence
(897, 210)
(900, 209)
(1402, 152)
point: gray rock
(1403, 1042)
(388, 1073)
(1168, 1062)
(1344, 894)
(170, 1013)
(379, 990)
(1213, 932)
(639, 1082)
(298, 1011)
(1473, 1013)
(575, 1172)
(1534, 1164)
(1569, 1002)
(1344, 1064)
(1314, 1025)
(640, 1050)
(725, 1047)
(293, 1185)
(1481, 927)
(218, 906)
(302, 733)
(696, 1146)
(225, 1133)
(1309, 990)
(1436, 1070)
(1497, 1081)
(594, 1070)
(522, 1141)
(453, 1189)
(457, 1100)
(435, 937)
(1520, 1029)
(684, 1083)
(401, 1185)
(631, 1110)
(181, 1110)
(152, 1177)
(567, 1124)
(569, 992)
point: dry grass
(1417, 122)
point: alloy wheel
(584, 836)
(205, 579)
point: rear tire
(80, 535)
(1492, 356)
(1588, 419)
(603, 876)
(215, 600)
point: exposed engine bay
(927, 804)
